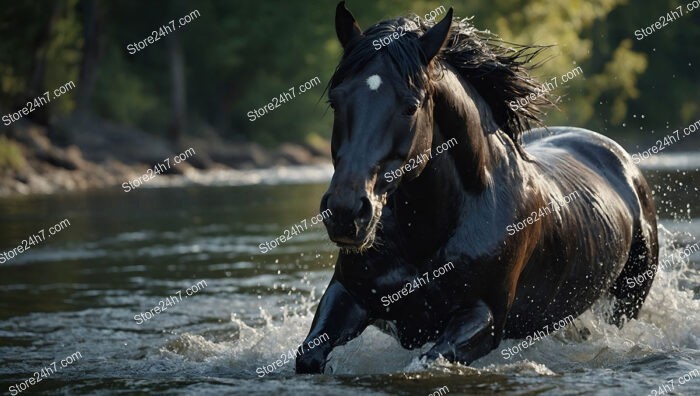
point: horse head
(383, 117)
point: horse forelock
(404, 52)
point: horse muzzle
(352, 224)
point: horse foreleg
(469, 335)
(339, 318)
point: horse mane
(499, 71)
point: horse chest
(415, 307)
(408, 334)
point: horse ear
(346, 26)
(435, 37)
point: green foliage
(239, 55)
(626, 65)
(16, 48)
(123, 96)
(10, 155)
(33, 31)
(63, 54)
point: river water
(93, 286)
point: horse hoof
(309, 364)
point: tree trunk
(92, 51)
(36, 86)
(178, 89)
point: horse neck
(464, 171)
(461, 113)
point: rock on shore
(86, 153)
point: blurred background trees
(236, 56)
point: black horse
(465, 247)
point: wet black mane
(499, 71)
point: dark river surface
(81, 299)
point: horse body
(456, 208)
(590, 245)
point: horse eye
(411, 109)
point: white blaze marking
(374, 82)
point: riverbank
(88, 153)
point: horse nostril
(365, 213)
(324, 202)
